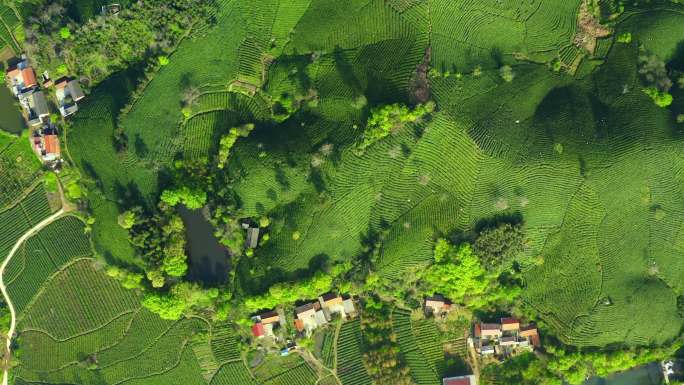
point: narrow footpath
(13, 323)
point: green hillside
(372, 143)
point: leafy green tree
(228, 141)
(127, 219)
(660, 98)
(458, 274)
(500, 244)
(507, 73)
(166, 306)
(624, 38)
(385, 119)
(65, 33)
(156, 278)
(192, 198)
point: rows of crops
(234, 373)
(224, 343)
(15, 221)
(423, 369)
(328, 350)
(78, 300)
(350, 367)
(10, 27)
(204, 356)
(299, 375)
(19, 169)
(43, 353)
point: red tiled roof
(258, 330)
(478, 330)
(14, 72)
(29, 77)
(51, 144)
(509, 320)
(299, 325)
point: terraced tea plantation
(539, 110)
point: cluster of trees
(187, 298)
(481, 272)
(383, 120)
(382, 356)
(290, 292)
(159, 239)
(559, 366)
(227, 141)
(656, 78)
(459, 274)
(105, 44)
(191, 179)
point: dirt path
(13, 322)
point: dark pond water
(10, 117)
(650, 374)
(209, 261)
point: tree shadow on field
(141, 149)
(346, 71)
(128, 196)
(497, 56)
(281, 178)
(461, 236)
(269, 277)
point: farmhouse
(437, 305)
(503, 338)
(21, 78)
(68, 94)
(35, 107)
(45, 143)
(309, 317)
(264, 324)
(460, 380)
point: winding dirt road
(13, 323)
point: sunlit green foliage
(385, 119)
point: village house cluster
(504, 338)
(315, 314)
(308, 317)
(22, 81)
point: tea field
(592, 166)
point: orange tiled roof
(29, 77)
(51, 144)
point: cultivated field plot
(420, 346)
(19, 169)
(92, 321)
(18, 219)
(41, 256)
(10, 28)
(350, 367)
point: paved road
(13, 323)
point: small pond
(10, 116)
(650, 374)
(208, 260)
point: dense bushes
(385, 119)
(109, 43)
(290, 292)
(458, 273)
(560, 366)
